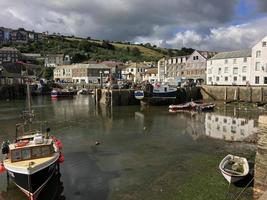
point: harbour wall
(234, 93)
(260, 168)
(124, 97)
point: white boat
(234, 168)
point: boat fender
(58, 144)
(61, 158)
(2, 168)
(5, 147)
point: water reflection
(229, 128)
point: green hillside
(82, 50)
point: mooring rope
(244, 189)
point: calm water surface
(144, 153)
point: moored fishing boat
(156, 94)
(34, 156)
(234, 168)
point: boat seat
(232, 171)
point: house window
(264, 44)
(235, 78)
(245, 59)
(210, 79)
(258, 54)
(244, 69)
(244, 78)
(209, 71)
(211, 62)
(265, 80)
(132, 70)
(225, 61)
(226, 78)
(234, 61)
(195, 58)
(235, 70)
(257, 66)
(220, 70)
(226, 70)
(217, 78)
(257, 79)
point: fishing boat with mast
(34, 156)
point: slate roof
(233, 54)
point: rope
(228, 191)
(244, 189)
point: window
(225, 61)
(224, 120)
(235, 70)
(195, 57)
(244, 78)
(217, 78)
(257, 79)
(245, 59)
(265, 80)
(257, 66)
(219, 70)
(234, 61)
(210, 79)
(264, 44)
(226, 78)
(244, 69)
(235, 78)
(258, 54)
(209, 71)
(211, 62)
(226, 70)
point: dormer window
(264, 44)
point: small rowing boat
(234, 168)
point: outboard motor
(5, 147)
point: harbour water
(143, 153)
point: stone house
(9, 54)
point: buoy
(97, 143)
(61, 158)
(2, 168)
(59, 144)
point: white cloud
(232, 37)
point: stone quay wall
(234, 93)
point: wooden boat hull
(32, 184)
(230, 176)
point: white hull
(230, 175)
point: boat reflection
(229, 128)
(52, 191)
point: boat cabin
(27, 150)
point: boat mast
(29, 97)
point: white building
(135, 71)
(259, 63)
(229, 68)
(245, 67)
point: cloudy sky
(200, 24)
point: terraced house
(244, 67)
